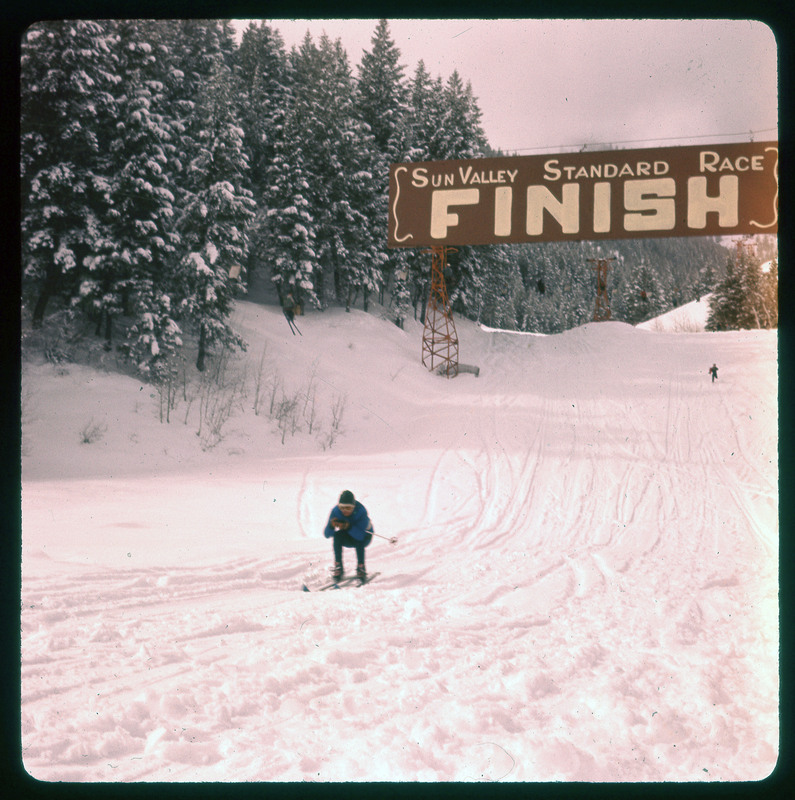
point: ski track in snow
(585, 588)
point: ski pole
(390, 539)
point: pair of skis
(351, 580)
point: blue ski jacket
(359, 521)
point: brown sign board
(710, 190)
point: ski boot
(361, 573)
(337, 572)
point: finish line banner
(711, 190)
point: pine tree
(502, 300)
(130, 274)
(290, 230)
(262, 85)
(413, 265)
(381, 94)
(425, 102)
(458, 134)
(197, 47)
(769, 315)
(747, 298)
(752, 282)
(215, 217)
(642, 294)
(726, 302)
(381, 101)
(338, 169)
(69, 73)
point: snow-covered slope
(584, 585)
(689, 318)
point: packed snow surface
(584, 586)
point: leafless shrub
(287, 413)
(57, 354)
(276, 384)
(328, 439)
(93, 432)
(259, 382)
(309, 410)
(686, 325)
(220, 393)
(169, 386)
(337, 411)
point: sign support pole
(439, 338)
(601, 312)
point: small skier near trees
(350, 526)
(713, 370)
(288, 306)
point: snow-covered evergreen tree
(196, 47)
(424, 99)
(725, 304)
(381, 101)
(382, 96)
(769, 299)
(215, 217)
(338, 169)
(642, 294)
(502, 299)
(748, 296)
(69, 75)
(132, 272)
(458, 134)
(290, 228)
(458, 131)
(262, 82)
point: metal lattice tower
(601, 311)
(439, 339)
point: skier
(350, 526)
(713, 370)
(288, 306)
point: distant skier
(288, 306)
(350, 526)
(713, 370)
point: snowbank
(689, 318)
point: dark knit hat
(347, 499)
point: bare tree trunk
(202, 349)
(48, 289)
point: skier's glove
(340, 525)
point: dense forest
(166, 167)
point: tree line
(164, 167)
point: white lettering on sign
(601, 207)
(503, 203)
(699, 204)
(554, 172)
(710, 161)
(566, 210)
(471, 175)
(648, 203)
(716, 189)
(650, 196)
(465, 175)
(419, 177)
(441, 200)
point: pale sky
(547, 85)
